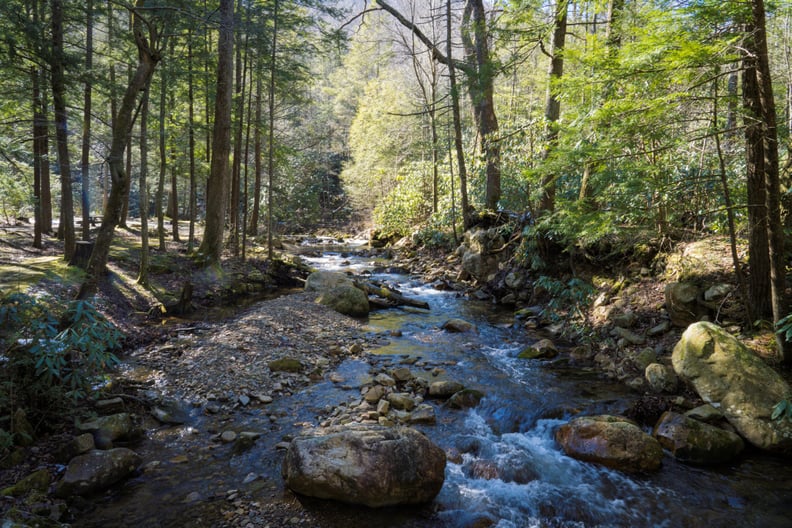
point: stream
(512, 473)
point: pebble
(244, 399)
(228, 436)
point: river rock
(542, 349)
(346, 299)
(423, 414)
(612, 441)
(401, 401)
(75, 446)
(97, 470)
(444, 389)
(107, 429)
(465, 399)
(681, 302)
(661, 378)
(374, 394)
(728, 375)
(705, 413)
(402, 374)
(366, 464)
(459, 326)
(285, 365)
(171, 411)
(696, 442)
(320, 281)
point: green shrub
(51, 363)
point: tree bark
(271, 137)
(212, 244)
(163, 164)
(254, 215)
(58, 80)
(460, 153)
(148, 57)
(766, 240)
(85, 168)
(552, 103)
(143, 195)
(191, 139)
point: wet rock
(696, 442)
(374, 394)
(367, 464)
(285, 365)
(612, 441)
(402, 374)
(385, 380)
(444, 389)
(75, 446)
(661, 378)
(423, 414)
(459, 326)
(542, 349)
(727, 374)
(705, 413)
(96, 471)
(465, 399)
(109, 405)
(107, 429)
(171, 411)
(228, 436)
(36, 481)
(484, 469)
(401, 401)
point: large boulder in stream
(741, 385)
(612, 441)
(96, 471)
(366, 464)
(338, 291)
(696, 442)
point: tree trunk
(460, 153)
(58, 80)
(85, 171)
(254, 216)
(552, 104)
(163, 164)
(766, 241)
(143, 196)
(217, 184)
(481, 90)
(271, 137)
(148, 57)
(191, 138)
(39, 158)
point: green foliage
(50, 362)
(568, 300)
(784, 327)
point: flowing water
(512, 473)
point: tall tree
(481, 71)
(58, 80)
(552, 102)
(212, 244)
(766, 239)
(271, 132)
(143, 274)
(85, 167)
(149, 39)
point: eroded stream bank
(504, 466)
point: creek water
(511, 472)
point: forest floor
(219, 358)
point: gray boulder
(458, 326)
(661, 378)
(444, 389)
(96, 471)
(346, 299)
(320, 281)
(696, 442)
(681, 301)
(612, 441)
(728, 375)
(367, 464)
